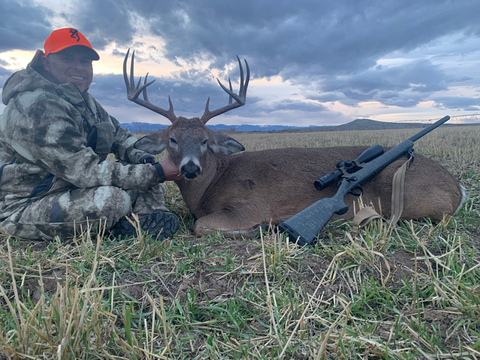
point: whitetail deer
(234, 193)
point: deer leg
(236, 222)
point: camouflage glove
(150, 159)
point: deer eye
(173, 141)
(204, 142)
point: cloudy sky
(313, 62)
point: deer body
(251, 188)
(232, 191)
(235, 192)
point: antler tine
(145, 96)
(133, 91)
(231, 89)
(240, 99)
(132, 79)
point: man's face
(73, 64)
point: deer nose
(190, 170)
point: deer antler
(240, 99)
(134, 91)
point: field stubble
(404, 292)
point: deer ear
(224, 145)
(152, 145)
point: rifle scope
(349, 165)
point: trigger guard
(356, 193)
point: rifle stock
(304, 227)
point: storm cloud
(333, 55)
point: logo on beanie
(74, 33)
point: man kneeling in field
(54, 140)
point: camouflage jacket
(45, 145)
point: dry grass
(404, 292)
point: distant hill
(367, 124)
(139, 127)
(358, 124)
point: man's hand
(147, 159)
(167, 169)
(170, 170)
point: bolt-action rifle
(304, 227)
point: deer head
(187, 141)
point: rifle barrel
(429, 128)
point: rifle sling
(363, 217)
(398, 189)
(367, 214)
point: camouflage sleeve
(123, 144)
(47, 136)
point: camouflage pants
(70, 212)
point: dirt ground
(247, 256)
(218, 285)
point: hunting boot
(158, 225)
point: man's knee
(109, 203)
(112, 202)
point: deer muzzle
(190, 170)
